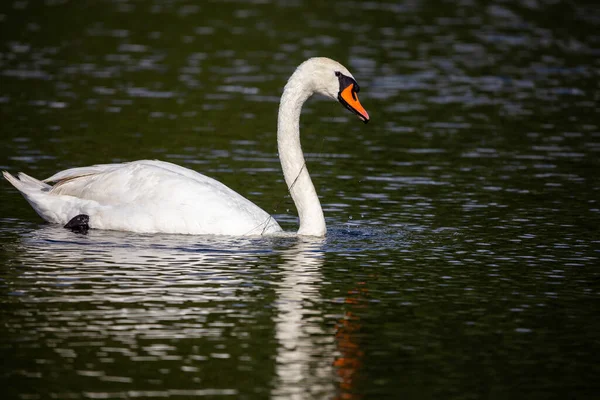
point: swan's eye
(345, 81)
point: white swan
(157, 196)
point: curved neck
(297, 178)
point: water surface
(462, 254)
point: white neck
(302, 190)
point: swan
(151, 196)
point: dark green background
(462, 255)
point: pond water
(462, 257)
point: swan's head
(332, 79)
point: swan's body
(156, 196)
(145, 196)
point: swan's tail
(25, 183)
(36, 193)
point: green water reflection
(462, 254)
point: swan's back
(152, 196)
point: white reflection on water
(135, 294)
(305, 352)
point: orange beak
(349, 99)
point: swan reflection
(306, 348)
(146, 297)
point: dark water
(462, 259)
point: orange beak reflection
(349, 99)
